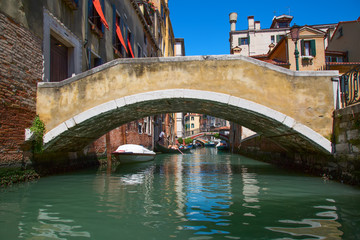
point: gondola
(163, 149)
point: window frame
(94, 19)
(118, 47)
(243, 41)
(140, 128)
(130, 38)
(308, 47)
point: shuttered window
(279, 37)
(308, 48)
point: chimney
(233, 19)
(251, 23)
(271, 47)
(257, 25)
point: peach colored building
(311, 49)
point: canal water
(198, 196)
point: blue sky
(205, 26)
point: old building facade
(54, 40)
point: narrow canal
(198, 196)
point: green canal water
(198, 196)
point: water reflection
(250, 189)
(325, 227)
(203, 195)
(50, 225)
(208, 195)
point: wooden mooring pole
(108, 150)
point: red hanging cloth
(129, 45)
(119, 35)
(97, 6)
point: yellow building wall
(318, 62)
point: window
(192, 118)
(118, 46)
(308, 48)
(279, 37)
(340, 32)
(94, 60)
(243, 41)
(147, 125)
(192, 125)
(140, 128)
(283, 24)
(272, 39)
(334, 59)
(95, 20)
(129, 44)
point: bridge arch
(80, 130)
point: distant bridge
(201, 134)
(293, 108)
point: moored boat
(222, 145)
(132, 153)
(164, 149)
(209, 144)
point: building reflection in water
(192, 196)
(208, 195)
(326, 227)
(50, 225)
(250, 192)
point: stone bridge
(201, 134)
(293, 108)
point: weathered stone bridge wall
(294, 107)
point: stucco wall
(317, 63)
(349, 41)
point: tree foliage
(38, 128)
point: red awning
(119, 35)
(97, 6)
(129, 45)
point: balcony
(148, 9)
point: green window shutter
(239, 41)
(277, 38)
(248, 40)
(313, 48)
(302, 47)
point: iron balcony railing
(349, 87)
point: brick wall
(20, 70)
(125, 134)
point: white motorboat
(131, 153)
